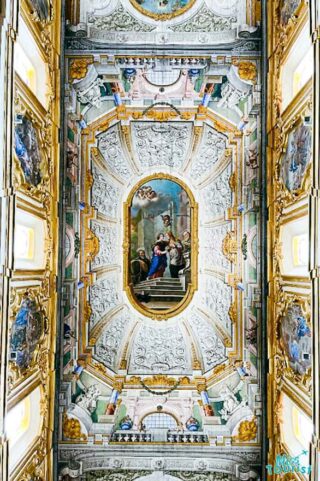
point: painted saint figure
(177, 261)
(145, 263)
(159, 258)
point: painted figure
(295, 161)
(42, 8)
(27, 150)
(160, 215)
(288, 8)
(159, 258)
(144, 263)
(25, 334)
(296, 338)
(177, 261)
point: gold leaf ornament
(79, 68)
(247, 70)
(72, 428)
(247, 430)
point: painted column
(116, 390)
(113, 402)
(205, 400)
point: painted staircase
(162, 292)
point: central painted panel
(160, 246)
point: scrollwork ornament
(72, 429)
(247, 70)
(247, 430)
(78, 68)
(91, 245)
(230, 246)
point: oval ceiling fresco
(160, 246)
(162, 9)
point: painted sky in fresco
(162, 6)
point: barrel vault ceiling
(173, 93)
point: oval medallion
(160, 246)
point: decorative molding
(211, 347)
(119, 21)
(205, 21)
(111, 148)
(210, 151)
(157, 349)
(161, 144)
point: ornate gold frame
(162, 16)
(193, 286)
(288, 128)
(301, 380)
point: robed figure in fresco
(177, 261)
(159, 258)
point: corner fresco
(160, 243)
(296, 337)
(27, 150)
(297, 157)
(26, 332)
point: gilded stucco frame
(193, 286)
(283, 205)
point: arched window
(159, 421)
(23, 424)
(296, 430)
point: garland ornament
(175, 386)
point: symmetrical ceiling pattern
(141, 23)
(169, 146)
(136, 122)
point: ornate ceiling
(162, 23)
(203, 154)
(136, 118)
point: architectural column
(202, 390)
(117, 388)
(314, 221)
(113, 402)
